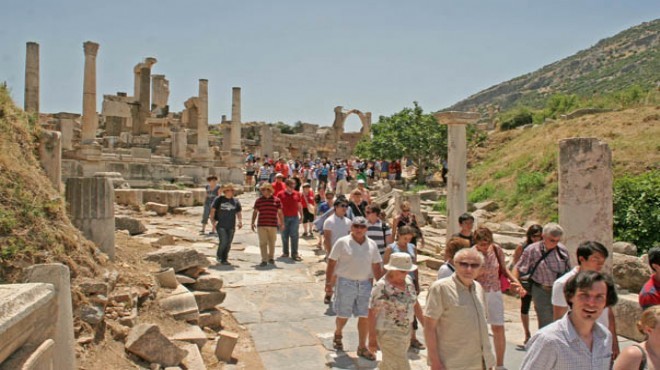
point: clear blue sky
(297, 60)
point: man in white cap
(356, 262)
(365, 192)
(392, 306)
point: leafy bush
(528, 182)
(482, 193)
(637, 210)
(440, 205)
(519, 117)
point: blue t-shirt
(341, 173)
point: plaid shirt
(552, 267)
(558, 346)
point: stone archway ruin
(340, 120)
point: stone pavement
(282, 305)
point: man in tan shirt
(455, 314)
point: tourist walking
(466, 223)
(361, 186)
(250, 170)
(407, 218)
(355, 261)
(342, 182)
(542, 263)
(357, 206)
(376, 229)
(577, 340)
(453, 245)
(455, 326)
(392, 307)
(650, 293)
(292, 210)
(212, 191)
(493, 268)
(645, 355)
(279, 185)
(309, 209)
(403, 245)
(591, 256)
(533, 235)
(225, 214)
(324, 205)
(267, 217)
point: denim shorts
(352, 297)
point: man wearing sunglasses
(455, 326)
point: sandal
(364, 353)
(336, 342)
(416, 344)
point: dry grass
(511, 158)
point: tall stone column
(31, 101)
(585, 193)
(91, 203)
(203, 119)
(90, 120)
(457, 164)
(236, 154)
(160, 91)
(143, 94)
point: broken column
(160, 92)
(456, 163)
(91, 209)
(585, 193)
(203, 119)
(50, 156)
(179, 145)
(236, 154)
(64, 341)
(90, 121)
(31, 102)
(142, 91)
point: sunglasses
(465, 265)
(343, 205)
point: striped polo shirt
(267, 208)
(375, 233)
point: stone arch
(340, 120)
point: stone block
(199, 196)
(510, 227)
(194, 272)
(629, 249)
(28, 314)
(629, 272)
(185, 198)
(178, 258)
(628, 313)
(181, 304)
(159, 208)
(506, 241)
(50, 156)
(208, 283)
(430, 194)
(93, 287)
(130, 224)
(91, 314)
(210, 319)
(144, 153)
(209, 300)
(193, 360)
(173, 198)
(183, 279)
(129, 197)
(147, 342)
(225, 346)
(156, 196)
(30, 358)
(488, 205)
(163, 240)
(166, 278)
(434, 264)
(193, 334)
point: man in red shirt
(266, 218)
(292, 209)
(282, 167)
(278, 185)
(650, 293)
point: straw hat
(400, 262)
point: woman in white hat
(392, 306)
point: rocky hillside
(631, 57)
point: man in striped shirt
(376, 230)
(266, 218)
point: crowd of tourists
(372, 275)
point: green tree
(410, 133)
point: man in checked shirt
(544, 261)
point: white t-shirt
(338, 226)
(559, 300)
(354, 260)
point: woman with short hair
(645, 355)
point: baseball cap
(359, 221)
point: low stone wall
(171, 198)
(628, 312)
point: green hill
(630, 58)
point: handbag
(505, 284)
